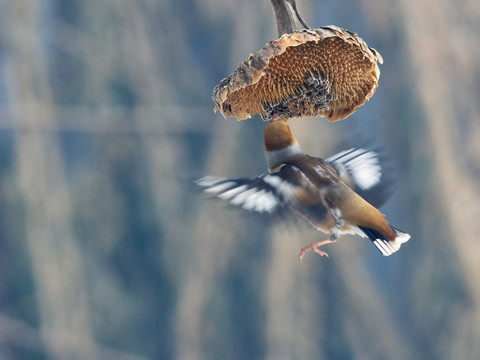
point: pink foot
(314, 247)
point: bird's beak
(275, 117)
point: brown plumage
(327, 71)
(323, 192)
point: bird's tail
(385, 246)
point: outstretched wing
(252, 194)
(366, 172)
(268, 193)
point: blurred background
(107, 250)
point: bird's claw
(313, 247)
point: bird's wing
(267, 193)
(366, 172)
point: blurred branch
(287, 17)
(19, 334)
(108, 119)
(79, 45)
(40, 174)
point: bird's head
(279, 143)
(277, 135)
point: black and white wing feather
(366, 172)
(257, 194)
(269, 193)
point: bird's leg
(315, 246)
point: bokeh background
(107, 250)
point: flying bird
(324, 192)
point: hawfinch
(325, 193)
